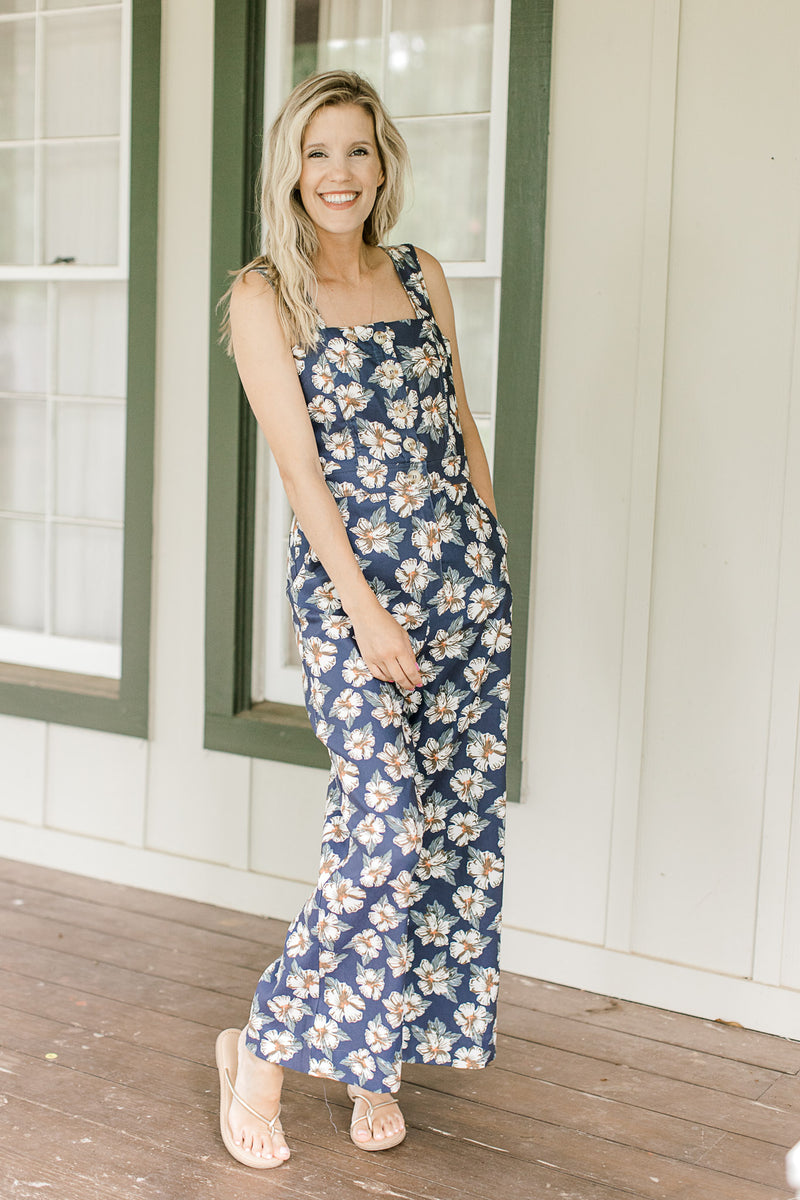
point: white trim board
(653, 982)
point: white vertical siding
(657, 851)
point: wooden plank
(174, 964)
(155, 931)
(633, 1050)
(679, 1029)
(747, 1158)
(672, 1097)
(116, 895)
(118, 1161)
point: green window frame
(282, 731)
(121, 705)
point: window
(495, 232)
(75, 80)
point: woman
(401, 605)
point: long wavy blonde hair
(289, 236)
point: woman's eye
(315, 154)
(360, 150)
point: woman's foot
(379, 1110)
(258, 1083)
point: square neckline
(323, 328)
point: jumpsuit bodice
(384, 410)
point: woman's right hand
(385, 646)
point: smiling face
(341, 170)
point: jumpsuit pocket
(492, 518)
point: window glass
(63, 331)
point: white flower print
(371, 472)
(470, 1057)
(342, 895)
(405, 889)
(277, 1045)
(467, 944)
(325, 1033)
(434, 1042)
(433, 926)
(414, 577)
(340, 445)
(480, 559)
(388, 375)
(367, 944)
(298, 941)
(377, 1036)
(397, 759)
(482, 602)
(488, 751)
(320, 656)
(384, 915)
(360, 743)
(477, 672)
(361, 1063)
(465, 827)
(355, 671)
(287, 1009)
(437, 753)
(428, 539)
(469, 785)
(484, 982)
(376, 437)
(375, 870)
(322, 377)
(343, 354)
(323, 1067)
(472, 1020)
(352, 398)
(402, 410)
(369, 981)
(322, 410)
(485, 867)
(343, 1002)
(400, 958)
(369, 831)
(395, 1009)
(303, 983)
(380, 794)
(336, 625)
(347, 706)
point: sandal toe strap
(270, 1122)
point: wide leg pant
(394, 958)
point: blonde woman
(401, 606)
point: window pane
(70, 3)
(21, 573)
(91, 339)
(347, 36)
(81, 219)
(440, 57)
(80, 63)
(23, 338)
(90, 460)
(22, 456)
(450, 159)
(87, 590)
(16, 205)
(16, 79)
(474, 302)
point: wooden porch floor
(111, 998)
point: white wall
(653, 856)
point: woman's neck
(343, 258)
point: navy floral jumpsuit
(394, 958)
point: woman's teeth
(338, 197)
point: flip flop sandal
(227, 1055)
(395, 1139)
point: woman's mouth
(338, 199)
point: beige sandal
(357, 1093)
(227, 1054)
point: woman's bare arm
(443, 311)
(269, 377)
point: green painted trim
(521, 327)
(282, 732)
(128, 711)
